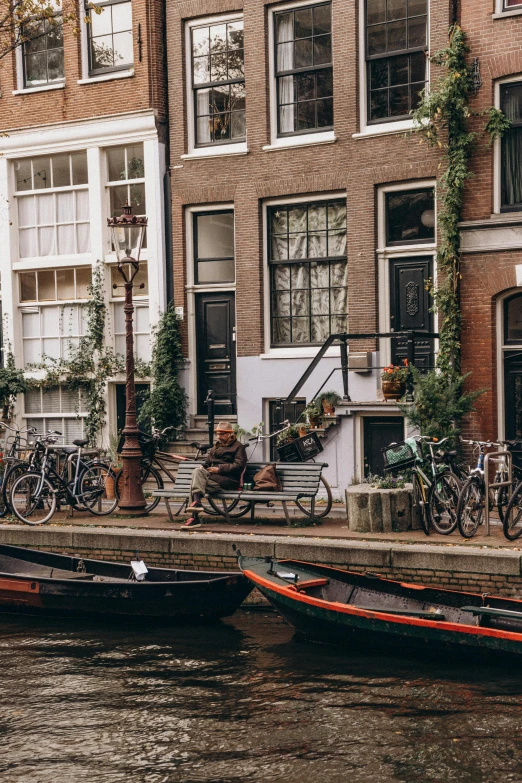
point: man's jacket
(231, 461)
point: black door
(216, 351)
(513, 394)
(379, 432)
(120, 402)
(410, 308)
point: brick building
(82, 128)
(299, 205)
(492, 226)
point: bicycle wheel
(470, 507)
(10, 476)
(150, 480)
(315, 508)
(96, 490)
(420, 503)
(32, 499)
(513, 515)
(236, 508)
(443, 499)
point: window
(110, 36)
(42, 51)
(512, 3)
(396, 47)
(513, 320)
(142, 346)
(141, 279)
(52, 328)
(218, 82)
(308, 271)
(214, 248)
(410, 217)
(56, 408)
(303, 69)
(54, 222)
(287, 411)
(511, 146)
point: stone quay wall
(465, 568)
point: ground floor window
(56, 408)
(142, 343)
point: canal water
(244, 702)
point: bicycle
(16, 464)
(35, 495)
(512, 522)
(435, 498)
(472, 498)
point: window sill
(43, 88)
(53, 262)
(218, 151)
(108, 77)
(384, 128)
(299, 353)
(503, 14)
(307, 139)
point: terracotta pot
(393, 390)
(328, 408)
(302, 431)
(110, 488)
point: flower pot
(393, 390)
(302, 431)
(328, 408)
(110, 487)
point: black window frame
(304, 70)
(289, 410)
(402, 242)
(515, 124)
(111, 68)
(27, 85)
(507, 302)
(210, 85)
(329, 260)
(506, 7)
(196, 259)
(390, 56)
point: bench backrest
(295, 477)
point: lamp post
(127, 236)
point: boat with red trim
(37, 582)
(331, 605)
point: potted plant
(303, 428)
(314, 415)
(329, 400)
(394, 378)
(287, 436)
(12, 383)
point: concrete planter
(372, 510)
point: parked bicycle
(81, 483)
(434, 496)
(471, 506)
(17, 459)
(512, 522)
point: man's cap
(224, 426)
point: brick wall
(356, 166)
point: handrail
(343, 337)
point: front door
(379, 432)
(410, 308)
(513, 394)
(216, 351)
(141, 390)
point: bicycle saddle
(81, 442)
(68, 449)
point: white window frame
(113, 183)
(38, 308)
(290, 352)
(497, 151)
(502, 13)
(302, 139)
(230, 148)
(80, 416)
(386, 253)
(139, 301)
(21, 89)
(382, 128)
(84, 48)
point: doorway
(216, 351)
(410, 305)
(141, 390)
(379, 432)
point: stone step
(200, 422)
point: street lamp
(127, 237)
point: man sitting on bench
(222, 470)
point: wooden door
(216, 351)
(379, 432)
(410, 305)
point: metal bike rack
(496, 456)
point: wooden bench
(298, 480)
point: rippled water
(243, 701)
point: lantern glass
(127, 240)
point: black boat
(42, 582)
(330, 605)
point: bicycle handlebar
(260, 436)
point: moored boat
(43, 582)
(330, 605)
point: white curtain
(285, 62)
(203, 120)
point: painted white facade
(95, 137)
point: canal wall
(466, 568)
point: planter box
(372, 510)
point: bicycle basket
(147, 444)
(399, 456)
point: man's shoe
(196, 506)
(192, 522)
